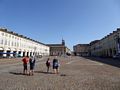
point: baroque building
(81, 49)
(12, 44)
(59, 49)
(108, 46)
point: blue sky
(48, 21)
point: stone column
(17, 53)
(21, 54)
(11, 55)
(5, 51)
(25, 53)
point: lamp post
(35, 51)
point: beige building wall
(81, 49)
(11, 42)
(106, 47)
(57, 50)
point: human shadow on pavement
(63, 75)
(16, 73)
(109, 61)
(43, 72)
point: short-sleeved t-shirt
(25, 60)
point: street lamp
(35, 51)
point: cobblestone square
(76, 73)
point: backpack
(56, 62)
(32, 60)
(48, 63)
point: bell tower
(63, 42)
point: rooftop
(22, 36)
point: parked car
(117, 56)
(39, 56)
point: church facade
(59, 49)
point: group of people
(31, 60)
(55, 64)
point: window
(1, 41)
(5, 42)
(12, 44)
(2, 34)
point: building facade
(12, 44)
(59, 49)
(81, 49)
(108, 46)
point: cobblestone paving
(76, 73)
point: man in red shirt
(25, 61)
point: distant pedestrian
(56, 65)
(48, 64)
(32, 65)
(25, 61)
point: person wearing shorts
(56, 66)
(32, 65)
(48, 64)
(25, 61)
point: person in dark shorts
(25, 61)
(48, 64)
(56, 65)
(32, 65)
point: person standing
(56, 65)
(32, 65)
(48, 64)
(25, 61)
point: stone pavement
(76, 73)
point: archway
(8, 52)
(1, 52)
